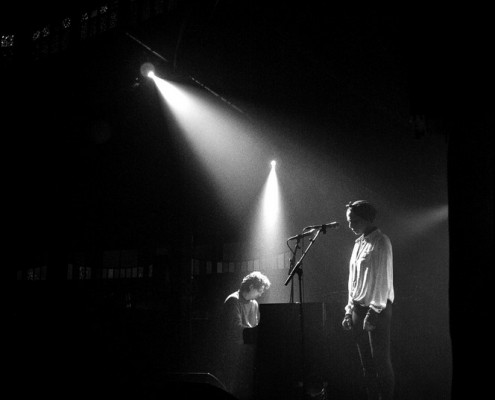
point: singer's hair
(363, 208)
(257, 279)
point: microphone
(301, 235)
(332, 225)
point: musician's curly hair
(257, 279)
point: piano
(280, 364)
(285, 318)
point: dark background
(391, 105)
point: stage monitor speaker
(195, 377)
(187, 385)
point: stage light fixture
(273, 163)
(45, 31)
(66, 23)
(7, 40)
(147, 70)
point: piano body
(286, 351)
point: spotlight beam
(217, 95)
(223, 99)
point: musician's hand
(347, 322)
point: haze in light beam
(226, 144)
(268, 229)
(176, 97)
(271, 203)
(420, 222)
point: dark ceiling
(82, 117)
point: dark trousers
(374, 352)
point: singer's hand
(347, 322)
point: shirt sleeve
(232, 317)
(382, 263)
(350, 303)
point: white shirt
(371, 280)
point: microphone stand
(298, 269)
(292, 262)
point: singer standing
(368, 313)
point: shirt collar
(241, 297)
(368, 236)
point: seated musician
(240, 311)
